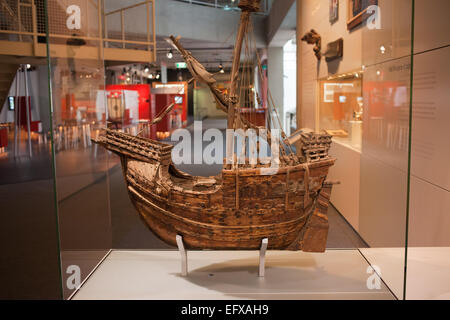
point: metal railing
(228, 4)
(24, 21)
(18, 17)
(131, 37)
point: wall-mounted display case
(341, 106)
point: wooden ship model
(242, 205)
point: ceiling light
(170, 54)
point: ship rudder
(313, 237)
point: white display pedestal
(147, 274)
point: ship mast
(247, 7)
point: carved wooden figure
(312, 37)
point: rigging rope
(271, 101)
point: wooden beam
(16, 48)
(129, 55)
(27, 49)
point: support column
(299, 66)
(276, 79)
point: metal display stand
(262, 257)
(183, 253)
(17, 130)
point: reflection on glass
(26, 184)
(384, 168)
(76, 61)
(429, 216)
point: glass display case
(341, 107)
(67, 213)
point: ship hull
(267, 206)
(234, 210)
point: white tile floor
(336, 274)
